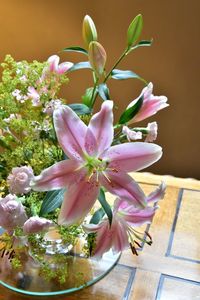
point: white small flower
(11, 117)
(51, 105)
(152, 129)
(23, 78)
(16, 93)
(131, 134)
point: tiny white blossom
(152, 132)
(131, 134)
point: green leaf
(87, 97)
(129, 113)
(75, 49)
(145, 43)
(123, 74)
(134, 30)
(105, 205)
(52, 200)
(104, 91)
(3, 144)
(81, 65)
(80, 109)
(98, 215)
(142, 43)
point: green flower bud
(89, 30)
(97, 57)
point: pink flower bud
(19, 180)
(152, 129)
(89, 30)
(151, 104)
(131, 134)
(97, 57)
(53, 66)
(36, 224)
(12, 213)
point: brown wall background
(36, 29)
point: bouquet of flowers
(59, 160)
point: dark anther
(134, 251)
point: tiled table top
(170, 268)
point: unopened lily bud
(97, 57)
(89, 30)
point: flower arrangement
(57, 160)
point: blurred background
(37, 29)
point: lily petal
(101, 125)
(71, 131)
(125, 187)
(139, 217)
(58, 176)
(78, 201)
(103, 239)
(158, 194)
(53, 63)
(120, 237)
(129, 157)
(64, 67)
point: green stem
(115, 65)
(93, 93)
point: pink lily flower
(120, 234)
(54, 65)
(151, 104)
(93, 163)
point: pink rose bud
(36, 224)
(97, 57)
(89, 30)
(12, 213)
(19, 180)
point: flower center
(95, 166)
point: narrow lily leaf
(80, 109)
(104, 91)
(75, 49)
(105, 205)
(87, 97)
(98, 216)
(81, 65)
(145, 43)
(142, 43)
(134, 30)
(52, 200)
(131, 112)
(123, 74)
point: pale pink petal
(90, 143)
(120, 236)
(123, 186)
(71, 131)
(101, 125)
(158, 194)
(59, 175)
(132, 156)
(139, 217)
(91, 228)
(151, 107)
(103, 239)
(78, 200)
(53, 63)
(64, 67)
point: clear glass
(82, 272)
